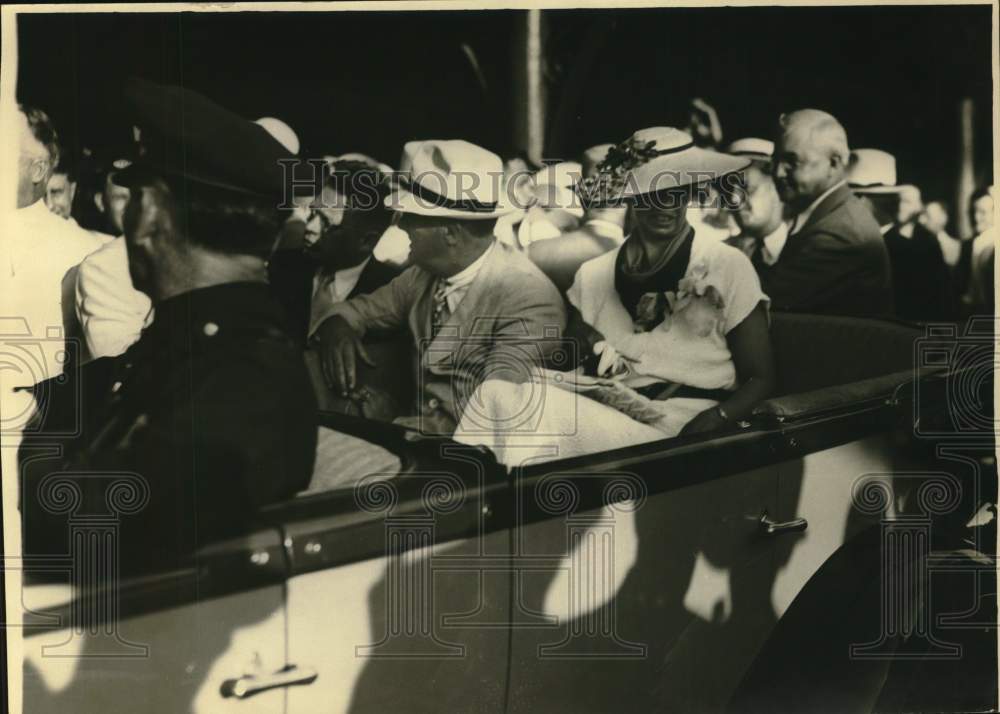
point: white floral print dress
(719, 290)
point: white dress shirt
(340, 285)
(329, 289)
(803, 218)
(774, 243)
(771, 245)
(39, 254)
(459, 283)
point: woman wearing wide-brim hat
(676, 318)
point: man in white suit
(39, 254)
(475, 308)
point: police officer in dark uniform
(210, 415)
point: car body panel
(164, 642)
(173, 660)
(674, 596)
(819, 488)
(418, 631)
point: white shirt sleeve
(111, 311)
(740, 288)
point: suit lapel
(467, 319)
(291, 276)
(367, 281)
(826, 207)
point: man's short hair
(824, 131)
(68, 167)
(43, 130)
(225, 221)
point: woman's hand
(611, 363)
(708, 420)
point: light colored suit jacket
(509, 321)
(39, 252)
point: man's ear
(153, 220)
(452, 234)
(40, 171)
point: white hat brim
(405, 202)
(878, 189)
(691, 167)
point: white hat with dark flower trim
(657, 159)
(674, 162)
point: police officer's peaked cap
(186, 136)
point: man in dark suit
(834, 261)
(336, 263)
(920, 278)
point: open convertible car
(418, 575)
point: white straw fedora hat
(450, 179)
(872, 171)
(658, 159)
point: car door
(643, 577)
(819, 488)
(398, 595)
(198, 640)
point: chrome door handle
(248, 685)
(770, 528)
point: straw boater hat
(450, 179)
(873, 171)
(284, 134)
(752, 148)
(658, 159)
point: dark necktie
(441, 313)
(757, 256)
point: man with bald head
(834, 261)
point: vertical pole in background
(966, 171)
(529, 90)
